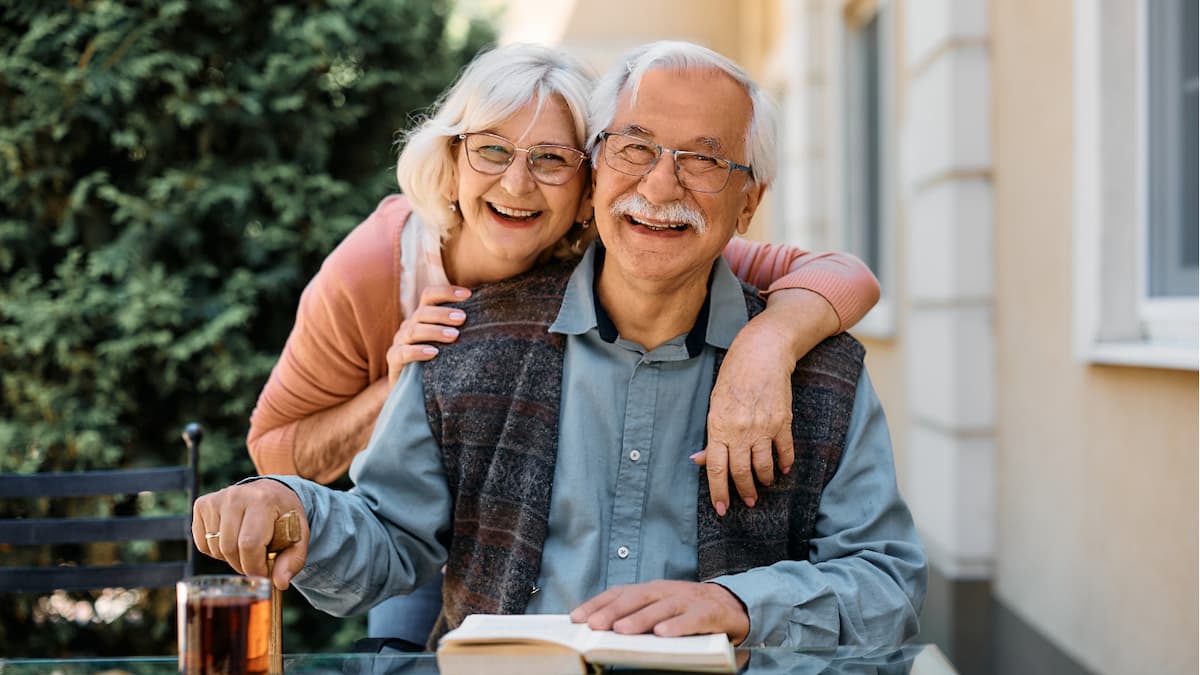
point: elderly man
(543, 459)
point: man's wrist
(736, 606)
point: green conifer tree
(171, 175)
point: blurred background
(1021, 175)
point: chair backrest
(50, 531)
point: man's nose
(516, 179)
(661, 185)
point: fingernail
(462, 293)
(695, 456)
(450, 332)
(750, 501)
(458, 315)
(429, 350)
(787, 469)
(720, 506)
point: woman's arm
(812, 296)
(319, 406)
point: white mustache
(640, 208)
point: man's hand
(667, 608)
(243, 520)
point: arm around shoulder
(841, 278)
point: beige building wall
(1095, 466)
(1097, 500)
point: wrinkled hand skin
(750, 409)
(749, 418)
(245, 516)
(668, 609)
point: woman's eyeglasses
(549, 164)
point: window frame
(880, 322)
(1163, 318)
(1115, 320)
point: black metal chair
(55, 531)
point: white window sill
(879, 323)
(1174, 356)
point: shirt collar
(721, 317)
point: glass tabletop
(910, 660)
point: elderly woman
(494, 182)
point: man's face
(643, 220)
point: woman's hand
(430, 323)
(750, 410)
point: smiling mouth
(658, 227)
(520, 215)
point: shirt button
(623, 552)
(634, 455)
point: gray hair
(680, 56)
(492, 88)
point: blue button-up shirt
(624, 499)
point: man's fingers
(201, 522)
(716, 455)
(649, 616)
(289, 563)
(627, 601)
(666, 608)
(581, 613)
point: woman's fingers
(428, 326)
(442, 295)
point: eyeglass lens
(637, 157)
(551, 164)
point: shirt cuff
(778, 604)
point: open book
(549, 644)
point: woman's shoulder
(373, 246)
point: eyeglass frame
(528, 157)
(603, 137)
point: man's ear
(753, 198)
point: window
(1136, 182)
(1169, 107)
(867, 208)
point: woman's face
(509, 218)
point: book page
(610, 642)
(491, 628)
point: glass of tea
(224, 624)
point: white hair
(492, 88)
(681, 56)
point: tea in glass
(224, 625)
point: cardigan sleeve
(841, 278)
(347, 317)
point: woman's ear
(586, 210)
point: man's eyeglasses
(695, 171)
(549, 164)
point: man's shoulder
(530, 295)
(841, 346)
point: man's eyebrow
(711, 144)
(635, 130)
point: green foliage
(171, 175)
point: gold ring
(212, 535)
